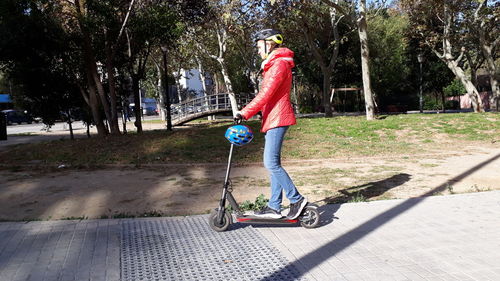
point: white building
(190, 81)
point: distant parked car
(150, 110)
(17, 116)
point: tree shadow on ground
(368, 190)
(358, 193)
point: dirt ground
(117, 191)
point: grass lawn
(405, 134)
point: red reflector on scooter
(266, 220)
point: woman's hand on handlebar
(238, 117)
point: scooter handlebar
(238, 118)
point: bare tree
(360, 20)
(485, 23)
(225, 19)
(438, 27)
(326, 59)
(77, 13)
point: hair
(274, 45)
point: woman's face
(261, 49)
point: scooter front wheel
(309, 217)
(217, 225)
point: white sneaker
(267, 212)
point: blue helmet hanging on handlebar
(239, 134)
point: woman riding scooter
(273, 100)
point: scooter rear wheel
(215, 224)
(309, 217)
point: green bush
(259, 203)
(430, 103)
(305, 109)
(456, 88)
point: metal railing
(202, 106)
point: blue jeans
(280, 180)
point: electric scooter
(220, 218)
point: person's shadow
(358, 193)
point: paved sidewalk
(434, 238)
(453, 237)
(60, 250)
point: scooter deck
(255, 219)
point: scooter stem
(226, 180)
(222, 203)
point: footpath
(453, 237)
(61, 132)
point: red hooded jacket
(273, 98)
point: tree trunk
(161, 91)
(326, 91)
(168, 108)
(216, 83)
(443, 101)
(204, 86)
(178, 85)
(229, 86)
(495, 91)
(137, 102)
(365, 59)
(112, 91)
(91, 83)
(473, 79)
(477, 103)
(70, 124)
(328, 66)
(222, 40)
(473, 76)
(92, 102)
(100, 89)
(92, 70)
(202, 78)
(452, 63)
(95, 108)
(491, 67)
(254, 79)
(124, 121)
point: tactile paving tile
(187, 249)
